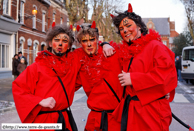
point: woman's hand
(167, 96)
(125, 79)
(108, 50)
(48, 102)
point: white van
(187, 62)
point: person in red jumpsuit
(148, 74)
(38, 94)
(99, 77)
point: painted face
(59, 44)
(89, 44)
(129, 30)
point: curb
(10, 107)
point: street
(182, 106)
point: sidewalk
(6, 97)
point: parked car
(187, 72)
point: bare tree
(189, 8)
(101, 14)
(76, 9)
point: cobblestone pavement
(182, 106)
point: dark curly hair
(86, 29)
(136, 18)
(57, 30)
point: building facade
(22, 30)
(8, 34)
(164, 27)
(32, 33)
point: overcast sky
(161, 8)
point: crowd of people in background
(19, 64)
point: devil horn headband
(112, 15)
(53, 24)
(71, 27)
(78, 28)
(130, 9)
(93, 25)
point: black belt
(125, 111)
(104, 119)
(61, 117)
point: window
(61, 20)
(67, 21)
(21, 43)
(150, 25)
(42, 47)
(34, 22)
(188, 54)
(6, 8)
(34, 19)
(54, 17)
(22, 12)
(4, 56)
(43, 22)
(164, 42)
(35, 49)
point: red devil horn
(71, 27)
(112, 15)
(78, 28)
(130, 9)
(53, 24)
(93, 25)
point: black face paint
(58, 36)
(58, 54)
(65, 37)
(125, 21)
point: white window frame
(61, 20)
(22, 12)
(21, 44)
(7, 8)
(35, 49)
(28, 50)
(164, 42)
(67, 21)
(6, 65)
(43, 20)
(42, 43)
(54, 14)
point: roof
(161, 25)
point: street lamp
(34, 12)
(74, 29)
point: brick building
(164, 27)
(173, 34)
(32, 33)
(20, 30)
(8, 34)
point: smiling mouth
(128, 35)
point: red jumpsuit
(39, 81)
(94, 71)
(153, 75)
